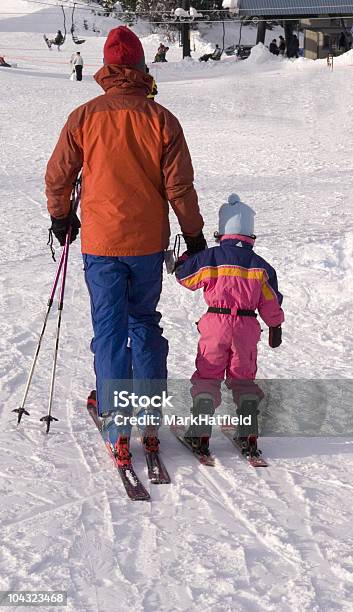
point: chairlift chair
(76, 40)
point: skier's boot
(118, 445)
(200, 445)
(248, 429)
(122, 451)
(198, 436)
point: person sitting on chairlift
(58, 40)
(216, 55)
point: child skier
(236, 282)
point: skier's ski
(133, 485)
(253, 459)
(157, 472)
(179, 433)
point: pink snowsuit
(232, 277)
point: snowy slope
(228, 538)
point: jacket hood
(126, 80)
(238, 240)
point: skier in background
(135, 160)
(273, 47)
(282, 45)
(236, 282)
(161, 53)
(77, 65)
(293, 46)
(4, 64)
(342, 43)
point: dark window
(326, 42)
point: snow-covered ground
(230, 538)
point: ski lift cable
(235, 20)
(250, 20)
(82, 7)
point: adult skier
(282, 45)
(273, 47)
(343, 43)
(134, 159)
(77, 65)
(161, 54)
(236, 282)
(293, 46)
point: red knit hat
(123, 47)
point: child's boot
(198, 435)
(248, 430)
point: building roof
(294, 7)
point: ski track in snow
(224, 538)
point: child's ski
(133, 486)
(157, 472)
(205, 459)
(253, 459)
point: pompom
(233, 199)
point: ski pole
(21, 410)
(48, 418)
(75, 199)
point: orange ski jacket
(134, 159)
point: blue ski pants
(128, 342)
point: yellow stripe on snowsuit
(267, 292)
(219, 271)
(207, 273)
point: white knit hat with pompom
(235, 217)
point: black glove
(275, 336)
(59, 227)
(194, 244)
